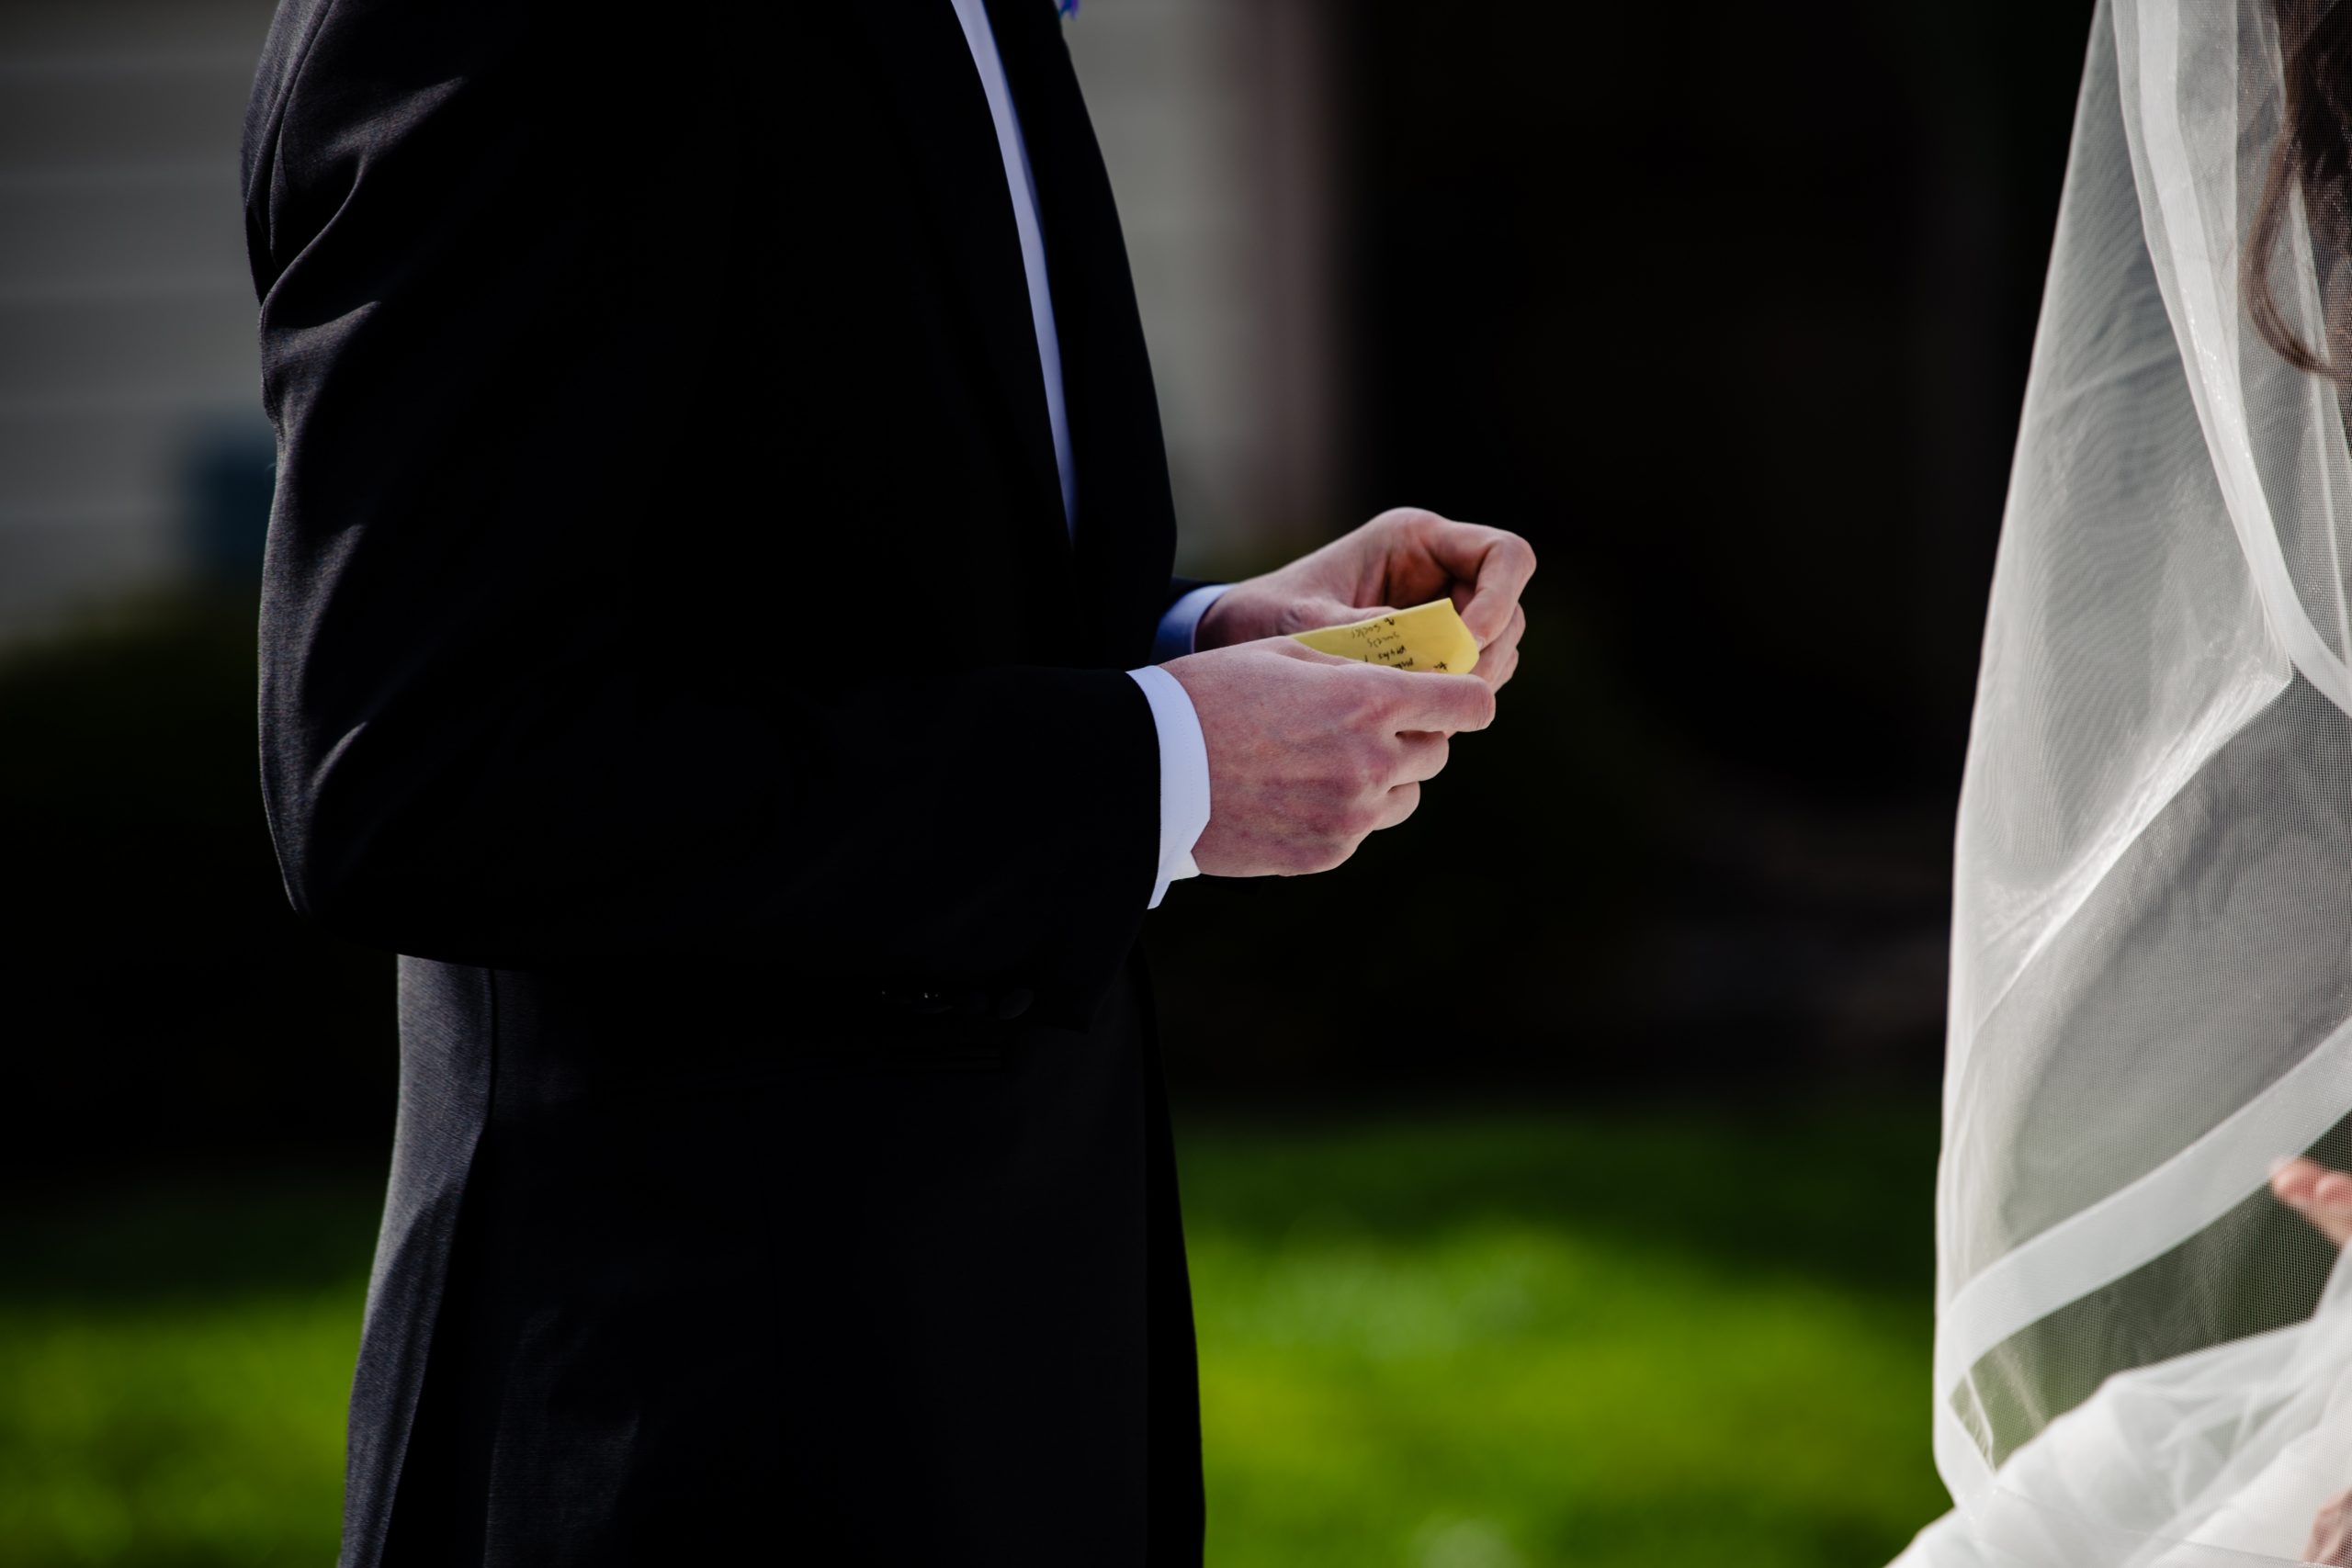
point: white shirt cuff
(1181, 624)
(1183, 776)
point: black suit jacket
(671, 643)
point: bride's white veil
(2138, 1353)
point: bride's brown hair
(2314, 155)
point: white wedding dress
(2215, 1460)
(2141, 1358)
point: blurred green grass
(1458, 1340)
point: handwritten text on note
(1427, 636)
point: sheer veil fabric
(2140, 1358)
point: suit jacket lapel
(1126, 519)
(953, 140)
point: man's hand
(1308, 753)
(1398, 559)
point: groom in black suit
(718, 628)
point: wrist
(1236, 616)
(1214, 628)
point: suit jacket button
(1013, 1002)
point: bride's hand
(2325, 1197)
(2331, 1539)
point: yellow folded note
(1427, 636)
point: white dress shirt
(1183, 754)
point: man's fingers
(1422, 758)
(1444, 704)
(1499, 669)
(1490, 569)
(1499, 660)
(1291, 648)
(1399, 803)
(1314, 614)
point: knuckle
(1375, 699)
(1326, 813)
(1332, 795)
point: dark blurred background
(1728, 307)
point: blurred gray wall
(127, 358)
(130, 438)
(1216, 119)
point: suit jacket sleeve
(1180, 586)
(481, 742)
